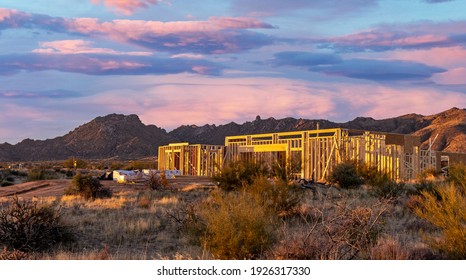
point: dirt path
(36, 188)
(57, 187)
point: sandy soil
(57, 187)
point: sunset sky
(180, 62)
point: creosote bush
(38, 174)
(27, 226)
(157, 181)
(380, 185)
(346, 175)
(235, 175)
(332, 231)
(277, 196)
(445, 209)
(457, 176)
(88, 187)
(233, 226)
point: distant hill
(104, 137)
(126, 137)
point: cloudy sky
(175, 62)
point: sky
(196, 62)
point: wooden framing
(194, 160)
(316, 152)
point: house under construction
(312, 153)
(194, 160)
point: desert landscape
(212, 130)
(354, 216)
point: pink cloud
(79, 47)
(455, 76)
(443, 57)
(126, 7)
(214, 35)
(187, 99)
(5, 13)
(383, 40)
(134, 29)
(418, 35)
(175, 100)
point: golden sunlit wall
(315, 153)
(191, 160)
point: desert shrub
(332, 232)
(277, 196)
(6, 183)
(157, 181)
(423, 185)
(235, 175)
(88, 187)
(367, 172)
(446, 211)
(233, 226)
(139, 165)
(345, 175)
(457, 176)
(380, 185)
(28, 226)
(388, 248)
(36, 175)
(70, 163)
(116, 165)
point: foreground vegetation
(252, 214)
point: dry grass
(139, 223)
(133, 224)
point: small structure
(191, 159)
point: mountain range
(126, 137)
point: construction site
(312, 153)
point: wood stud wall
(192, 160)
(316, 152)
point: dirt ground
(56, 187)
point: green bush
(380, 185)
(27, 226)
(157, 181)
(41, 174)
(346, 175)
(457, 176)
(233, 226)
(447, 211)
(423, 185)
(235, 175)
(277, 196)
(36, 175)
(88, 187)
